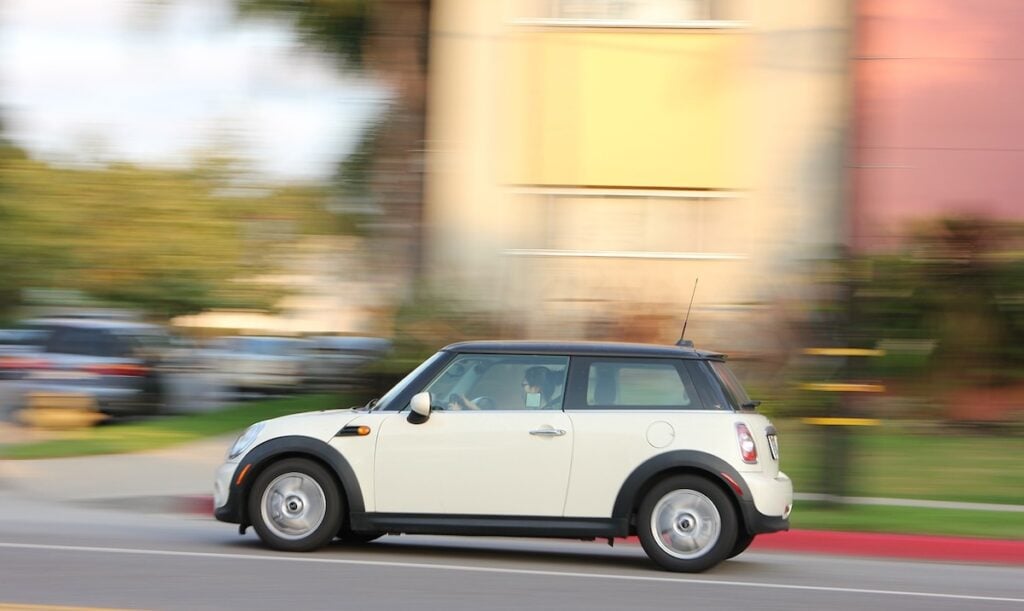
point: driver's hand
(457, 401)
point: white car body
(552, 472)
(259, 363)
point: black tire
(698, 519)
(743, 541)
(295, 506)
(352, 538)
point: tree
(167, 241)
(389, 40)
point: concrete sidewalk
(180, 479)
(184, 470)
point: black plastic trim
(293, 445)
(713, 467)
(489, 525)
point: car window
(72, 340)
(733, 389)
(635, 384)
(500, 382)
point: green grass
(888, 519)
(906, 461)
(170, 430)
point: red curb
(195, 504)
(877, 545)
(916, 547)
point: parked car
(341, 361)
(575, 440)
(116, 366)
(260, 363)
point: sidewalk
(180, 479)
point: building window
(637, 13)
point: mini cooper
(528, 439)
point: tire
(743, 541)
(698, 519)
(295, 506)
(352, 538)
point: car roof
(581, 348)
(92, 323)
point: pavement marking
(480, 569)
(24, 607)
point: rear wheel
(687, 524)
(295, 505)
(743, 541)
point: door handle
(548, 432)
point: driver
(538, 388)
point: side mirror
(419, 408)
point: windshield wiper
(750, 404)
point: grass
(912, 461)
(889, 519)
(169, 430)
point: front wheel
(687, 524)
(352, 538)
(295, 506)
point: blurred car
(340, 361)
(260, 363)
(547, 439)
(116, 367)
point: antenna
(683, 342)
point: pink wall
(939, 114)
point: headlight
(245, 440)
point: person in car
(538, 390)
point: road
(58, 554)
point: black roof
(581, 348)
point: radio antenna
(687, 319)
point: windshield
(268, 346)
(397, 388)
(734, 390)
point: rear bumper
(770, 502)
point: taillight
(14, 362)
(117, 370)
(748, 449)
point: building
(939, 115)
(589, 159)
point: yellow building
(589, 158)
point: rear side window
(731, 385)
(609, 383)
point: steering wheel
(485, 402)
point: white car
(537, 439)
(260, 363)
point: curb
(885, 545)
(841, 543)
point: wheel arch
(681, 462)
(296, 446)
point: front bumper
(226, 506)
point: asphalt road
(53, 554)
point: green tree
(167, 241)
(388, 40)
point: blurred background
(204, 202)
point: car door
(625, 410)
(488, 455)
